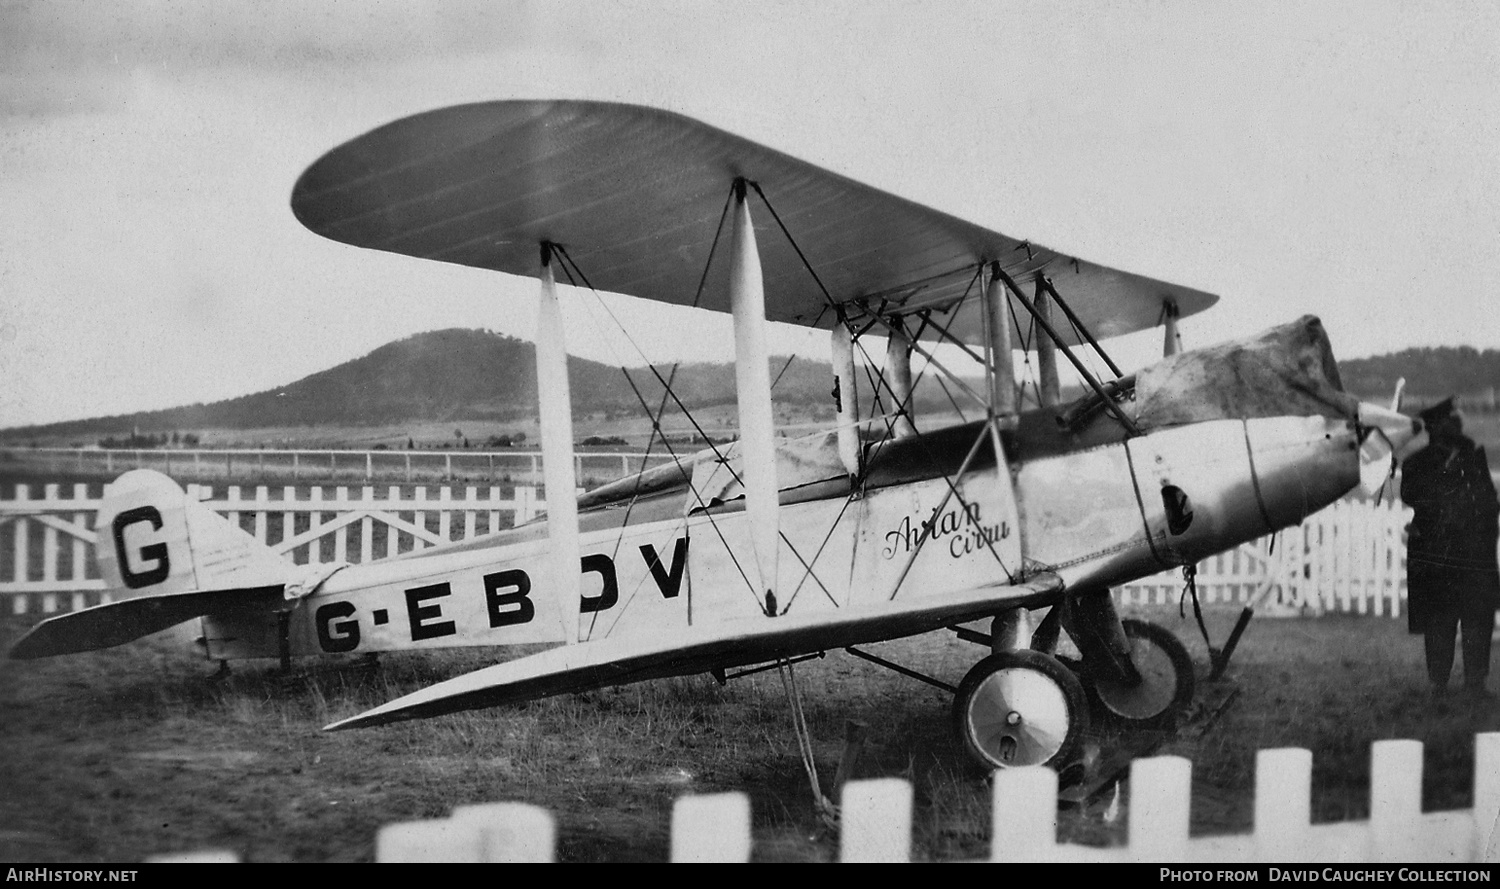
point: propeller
(1387, 437)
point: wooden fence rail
(1348, 558)
(47, 542)
(876, 821)
(231, 464)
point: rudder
(154, 539)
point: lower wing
(622, 660)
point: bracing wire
(667, 392)
(953, 492)
(1093, 351)
(804, 735)
(879, 379)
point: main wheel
(1021, 708)
(1166, 686)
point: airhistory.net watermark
(63, 875)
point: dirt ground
(120, 754)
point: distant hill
(1431, 374)
(446, 376)
(474, 375)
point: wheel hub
(1166, 678)
(1149, 697)
(1020, 708)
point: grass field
(119, 754)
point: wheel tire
(1166, 669)
(1018, 708)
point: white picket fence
(46, 542)
(1349, 557)
(876, 821)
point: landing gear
(284, 640)
(1023, 705)
(1166, 679)
(1019, 708)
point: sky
(1292, 157)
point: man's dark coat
(1450, 555)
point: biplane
(1010, 527)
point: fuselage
(1095, 507)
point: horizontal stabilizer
(116, 623)
(621, 660)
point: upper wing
(635, 195)
(620, 660)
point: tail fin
(154, 539)
(165, 558)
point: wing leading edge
(635, 196)
(620, 660)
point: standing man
(1451, 576)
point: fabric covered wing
(635, 196)
(620, 660)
